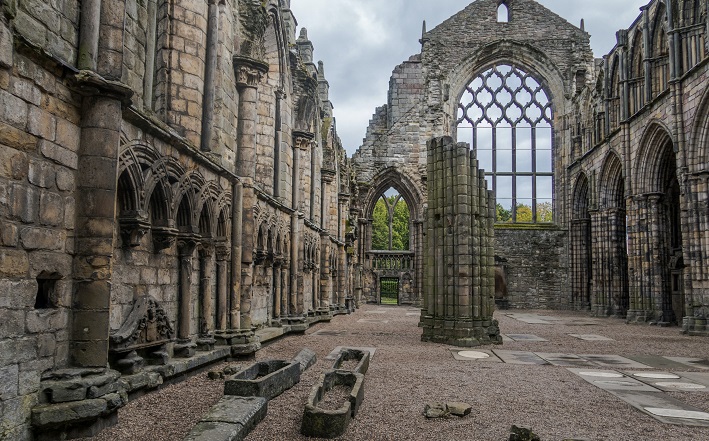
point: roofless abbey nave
(172, 181)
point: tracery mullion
(534, 173)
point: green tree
(380, 226)
(524, 213)
(400, 226)
(503, 215)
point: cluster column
(459, 285)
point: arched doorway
(582, 270)
(390, 254)
(658, 263)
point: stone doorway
(389, 290)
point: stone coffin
(324, 423)
(266, 379)
(349, 355)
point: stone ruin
(459, 263)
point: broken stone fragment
(522, 434)
(215, 375)
(231, 369)
(459, 409)
(436, 410)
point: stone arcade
(171, 180)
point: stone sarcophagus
(332, 404)
(353, 360)
(144, 334)
(266, 379)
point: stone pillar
(237, 210)
(647, 53)
(459, 283)
(210, 68)
(184, 347)
(325, 279)
(285, 281)
(206, 255)
(301, 143)
(277, 288)
(223, 256)
(248, 75)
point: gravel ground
(405, 374)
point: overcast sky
(362, 41)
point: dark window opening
(503, 14)
(46, 291)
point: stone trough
(323, 422)
(266, 379)
(347, 357)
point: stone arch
(648, 163)
(610, 241)
(520, 54)
(612, 182)
(393, 178)
(660, 64)
(581, 243)
(698, 145)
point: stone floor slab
(696, 363)
(662, 407)
(610, 380)
(657, 362)
(519, 357)
(525, 337)
(372, 321)
(591, 337)
(613, 361)
(475, 355)
(565, 360)
(697, 377)
(330, 333)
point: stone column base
(457, 332)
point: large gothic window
(506, 115)
(390, 222)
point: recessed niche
(46, 290)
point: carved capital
(163, 236)
(186, 244)
(134, 226)
(302, 140)
(249, 72)
(222, 251)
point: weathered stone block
(305, 358)
(42, 239)
(41, 174)
(5, 46)
(43, 320)
(65, 180)
(52, 415)
(266, 379)
(59, 154)
(24, 202)
(9, 378)
(41, 123)
(12, 323)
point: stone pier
(459, 273)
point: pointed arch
(612, 182)
(503, 12)
(653, 161)
(580, 204)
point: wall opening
(503, 13)
(46, 290)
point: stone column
(223, 256)
(325, 279)
(459, 283)
(647, 53)
(206, 254)
(277, 287)
(210, 68)
(285, 282)
(301, 143)
(248, 75)
(184, 347)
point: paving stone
(657, 362)
(613, 361)
(697, 377)
(525, 337)
(565, 360)
(671, 407)
(519, 357)
(612, 380)
(372, 321)
(591, 337)
(328, 332)
(696, 363)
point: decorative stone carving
(249, 72)
(134, 225)
(163, 237)
(147, 326)
(302, 140)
